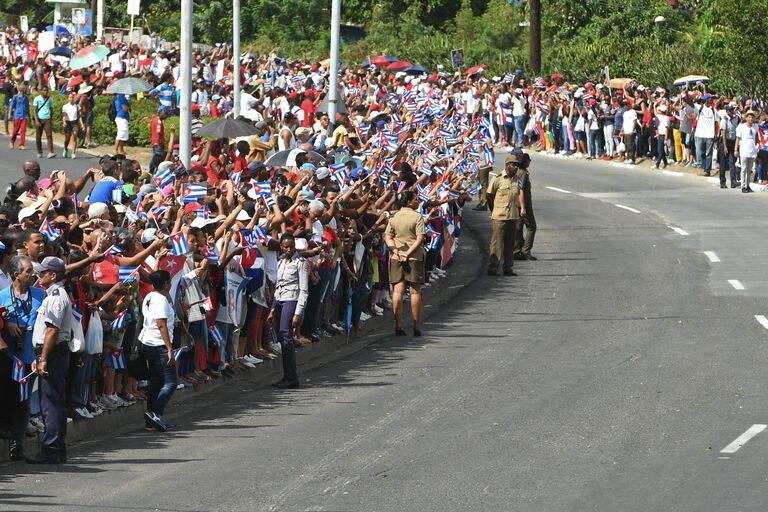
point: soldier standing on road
(523, 245)
(506, 202)
(50, 337)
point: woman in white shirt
(662, 128)
(156, 348)
(70, 118)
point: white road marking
(559, 190)
(744, 438)
(679, 231)
(672, 173)
(712, 256)
(633, 210)
(763, 321)
(736, 284)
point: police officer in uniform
(523, 244)
(50, 337)
(505, 199)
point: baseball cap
(149, 235)
(50, 264)
(29, 211)
(307, 195)
(192, 207)
(322, 173)
(96, 210)
(243, 216)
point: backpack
(112, 111)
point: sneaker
(253, 359)
(117, 401)
(276, 348)
(82, 413)
(364, 316)
(73, 156)
(376, 310)
(50, 155)
(106, 404)
(151, 418)
(39, 155)
(66, 153)
(249, 364)
(94, 409)
(37, 422)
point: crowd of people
(123, 283)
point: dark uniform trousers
(13, 412)
(482, 176)
(523, 244)
(503, 240)
(53, 402)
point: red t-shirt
(330, 236)
(309, 113)
(158, 131)
(105, 272)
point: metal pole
(536, 37)
(185, 83)
(130, 33)
(334, 79)
(100, 20)
(236, 53)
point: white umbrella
(691, 80)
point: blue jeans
(162, 378)
(661, 150)
(82, 378)
(520, 129)
(229, 348)
(283, 317)
(704, 153)
(593, 141)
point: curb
(129, 419)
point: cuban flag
(25, 387)
(49, 231)
(158, 212)
(269, 201)
(75, 201)
(488, 156)
(262, 188)
(115, 250)
(362, 130)
(119, 322)
(210, 254)
(505, 115)
(164, 177)
(116, 359)
(236, 178)
(128, 274)
(388, 140)
(423, 193)
(179, 245)
(192, 193)
(215, 335)
(117, 195)
(434, 239)
(425, 169)
(254, 237)
(131, 216)
(338, 173)
(17, 373)
(179, 352)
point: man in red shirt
(157, 128)
(309, 108)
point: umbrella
(287, 158)
(88, 56)
(227, 129)
(691, 80)
(417, 70)
(476, 69)
(399, 65)
(619, 83)
(341, 107)
(382, 60)
(74, 82)
(61, 51)
(348, 312)
(129, 86)
(58, 30)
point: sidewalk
(464, 271)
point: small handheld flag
(128, 274)
(119, 322)
(18, 369)
(216, 336)
(179, 245)
(49, 231)
(116, 359)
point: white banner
(134, 7)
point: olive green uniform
(482, 176)
(404, 227)
(504, 217)
(523, 244)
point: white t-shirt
(518, 106)
(705, 127)
(746, 135)
(155, 306)
(630, 120)
(592, 119)
(70, 112)
(663, 121)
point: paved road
(608, 375)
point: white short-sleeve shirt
(154, 307)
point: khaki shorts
(397, 273)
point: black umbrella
(61, 51)
(287, 158)
(227, 129)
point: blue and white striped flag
(116, 359)
(488, 156)
(193, 193)
(17, 373)
(164, 177)
(262, 188)
(215, 335)
(119, 322)
(179, 245)
(128, 274)
(117, 195)
(25, 387)
(338, 173)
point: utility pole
(334, 79)
(185, 83)
(236, 53)
(100, 20)
(535, 37)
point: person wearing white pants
(746, 149)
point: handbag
(94, 338)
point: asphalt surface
(609, 375)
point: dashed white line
(736, 284)
(762, 320)
(744, 438)
(629, 208)
(562, 191)
(712, 256)
(679, 231)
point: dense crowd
(122, 283)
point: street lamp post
(236, 54)
(334, 79)
(185, 83)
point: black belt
(59, 348)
